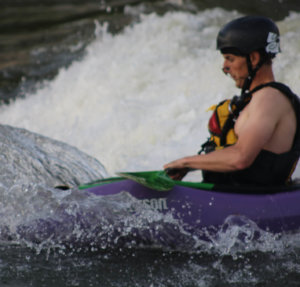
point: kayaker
(255, 137)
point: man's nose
(225, 70)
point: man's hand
(177, 173)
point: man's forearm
(225, 160)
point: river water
(89, 88)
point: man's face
(236, 67)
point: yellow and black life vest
(221, 122)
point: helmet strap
(251, 73)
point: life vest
(220, 125)
(268, 167)
(221, 122)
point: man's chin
(239, 84)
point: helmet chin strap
(251, 74)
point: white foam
(138, 99)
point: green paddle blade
(156, 180)
(99, 182)
(159, 180)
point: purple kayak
(273, 209)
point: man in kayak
(255, 138)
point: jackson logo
(156, 203)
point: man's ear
(254, 58)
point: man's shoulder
(270, 100)
(269, 95)
(275, 90)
